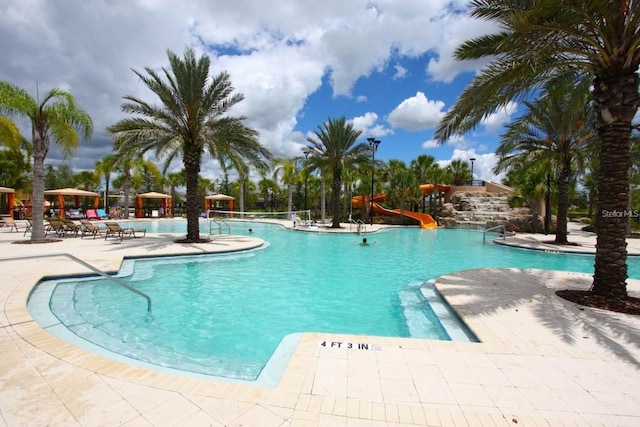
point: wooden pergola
(166, 202)
(72, 192)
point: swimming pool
(225, 315)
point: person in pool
(365, 242)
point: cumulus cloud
(278, 54)
(483, 164)
(368, 125)
(416, 113)
(494, 123)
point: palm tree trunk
(126, 188)
(241, 195)
(335, 199)
(323, 197)
(40, 148)
(563, 205)
(191, 163)
(614, 126)
(290, 199)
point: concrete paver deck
(541, 359)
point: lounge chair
(92, 214)
(73, 214)
(16, 225)
(89, 229)
(55, 225)
(101, 214)
(71, 227)
(114, 230)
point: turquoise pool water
(225, 315)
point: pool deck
(542, 361)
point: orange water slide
(425, 220)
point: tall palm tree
(288, 168)
(104, 168)
(173, 180)
(191, 119)
(333, 147)
(553, 127)
(421, 167)
(540, 40)
(55, 118)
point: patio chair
(101, 214)
(92, 214)
(114, 230)
(55, 225)
(16, 225)
(71, 227)
(89, 229)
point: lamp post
(373, 143)
(306, 177)
(472, 160)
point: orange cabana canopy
(166, 203)
(76, 193)
(208, 201)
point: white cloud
(416, 113)
(369, 126)
(276, 52)
(494, 123)
(401, 72)
(483, 164)
(455, 30)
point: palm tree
(460, 171)
(553, 127)
(191, 119)
(173, 180)
(421, 167)
(539, 41)
(402, 185)
(104, 168)
(528, 180)
(14, 159)
(288, 169)
(333, 148)
(55, 118)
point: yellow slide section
(425, 220)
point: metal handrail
(362, 226)
(90, 267)
(221, 225)
(504, 232)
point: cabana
(166, 203)
(208, 202)
(11, 197)
(76, 193)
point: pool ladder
(90, 267)
(361, 227)
(497, 227)
(220, 225)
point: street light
(472, 160)
(373, 143)
(306, 177)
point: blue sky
(386, 65)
